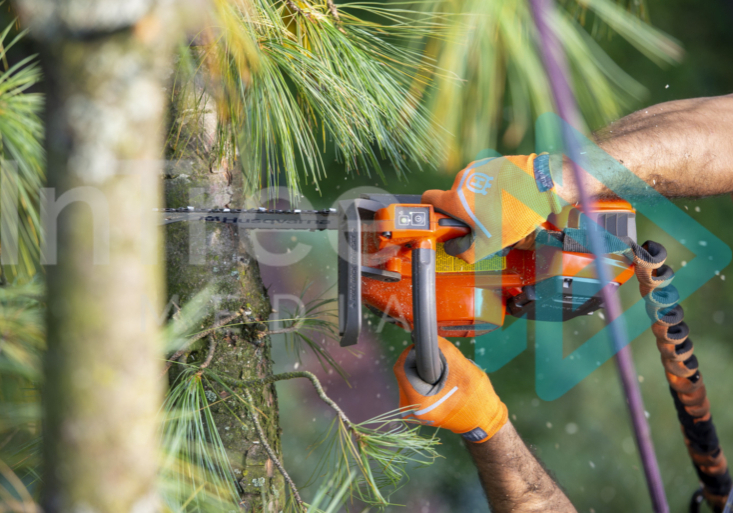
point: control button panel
(412, 218)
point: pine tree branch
(293, 7)
(269, 450)
(281, 331)
(217, 325)
(209, 356)
(285, 376)
(22, 503)
(332, 9)
(380, 456)
(199, 336)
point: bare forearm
(681, 148)
(512, 477)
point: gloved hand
(502, 199)
(462, 401)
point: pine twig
(199, 336)
(285, 376)
(332, 9)
(293, 7)
(217, 325)
(281, 331)
(209, 356)
(270, 452)
(380, 456)
(335, 13)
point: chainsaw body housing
(541, 282)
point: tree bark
(105, 64)
(220, 256)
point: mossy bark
(220, 257)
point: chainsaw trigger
(380, 274)
(452, 223)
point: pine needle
(494, 83)
(22, 166)
(288, 81)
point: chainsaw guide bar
(255, 218)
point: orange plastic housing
(471, 300)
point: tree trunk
(201, 254)
(104, 66)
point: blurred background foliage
(402, 100)
(20, 147)
(494, 86)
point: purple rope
(556, 68)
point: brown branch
(177, 314)
(209, 356)
(217, 325)
(285, 376)
(269, 450)
(199, 336)
(291, 5)
(281, 331)
(332, 9)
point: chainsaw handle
(425, 316)
(351, 214)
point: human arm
(682, 148)
(464, 401)
(512, 477)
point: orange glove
(462, 401)
(502, 199)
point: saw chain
(254, 218)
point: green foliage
(502, 86)
(23, 158)
(316, 320)
(379, 449)
(288, 79)
(376, 451)
(337, 489)
(21, 347)
(196, 474)
(22, 339)
(22, 332)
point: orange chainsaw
(393, 262)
